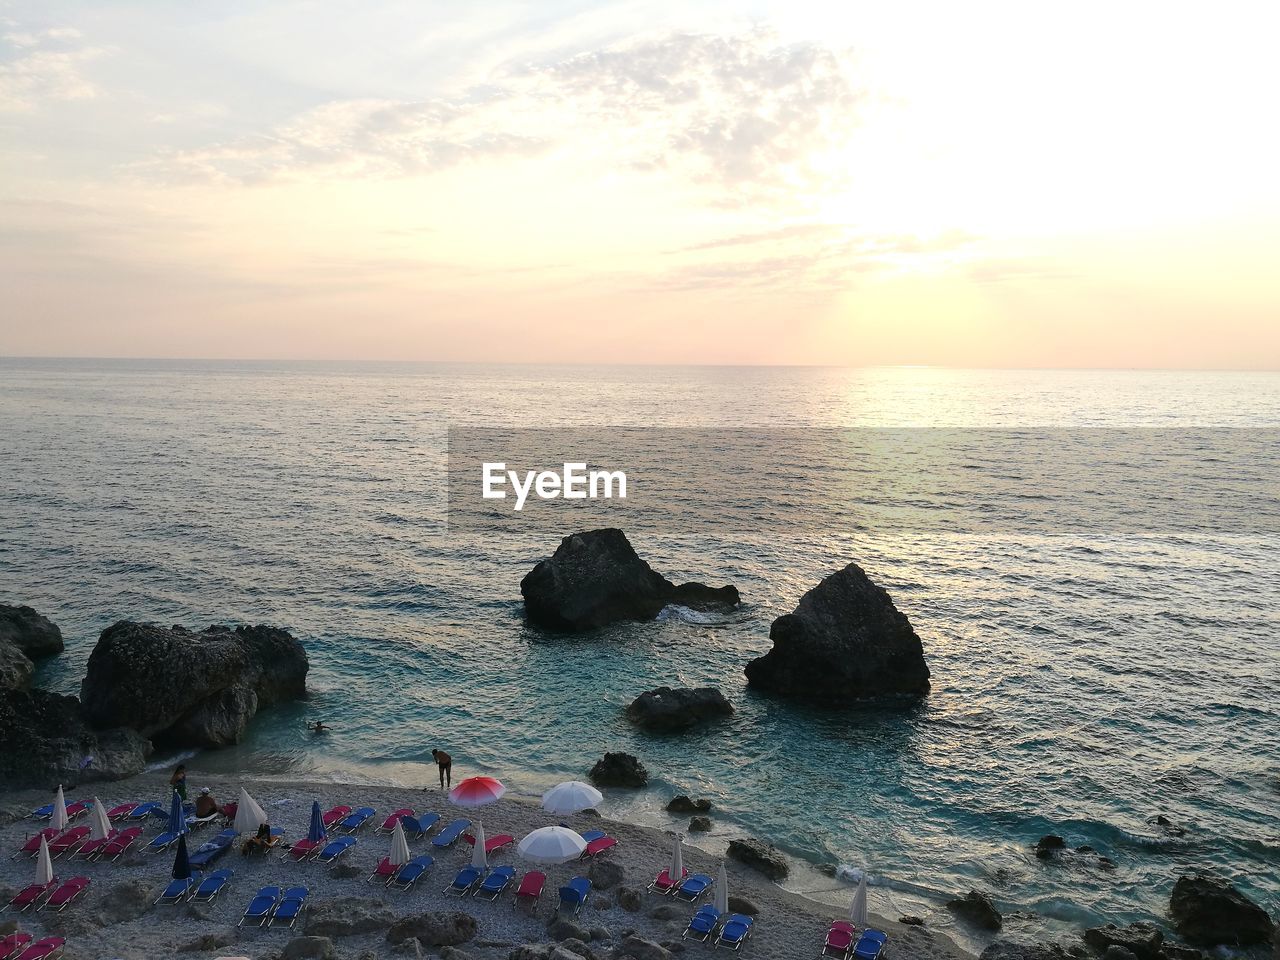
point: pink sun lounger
(530, 890)
(66, 893)
(389, 824)
(45, 949)
(32, 846)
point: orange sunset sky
(978, 184)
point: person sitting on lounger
(259, 842)
(445, 763)
(206, 806)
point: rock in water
(619, 770)
(844, 641)
(1209, 911)
(25, 636)
(760, 856)
(595, 578)
(978, 909)
(193, 689)
(1143, 940)
(682, 803)
(1048, 845)
(44, 740)
(668, 708)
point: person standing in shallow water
(445, 763)
(179, 782)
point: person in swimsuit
(445, 763)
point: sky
(1003, 184)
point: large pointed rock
(844, 641)
(596, 578)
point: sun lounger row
(709, 925)
(845, 943)
(54, 895)
(61, 842)
(272, 905)
(19, 946)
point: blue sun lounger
(336, 848)
(870, 945)
(590, 835)
(735, 930)
(467, 878)
(411, 872)
(703, 925)
(354, 821)
(162, 842)
(211, 850)
(142, 811)
(176, 891)
(290, 907)
(449, 835)
(497, 881)
(261, 906)
(207, 890)
(694, 887)
(416, 827)
(574, 894)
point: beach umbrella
(571, 797)
(181, 863)
(316, 833)
(477, 792)
(44, 865)
(722, 890)
(676, 870)
(858, 909)
(479, 856)
(99, 825)
(552, 845)
(59, 819)
(249, 815)
(177, 816)
(399, 855)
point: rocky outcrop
(619, 770)
(678, 708)
(1018, 950)
(434, 929)
(596, 578)
(640, 949)
(44, 741)
(1208, 911)
(760, 856)
(682, 803)
(194, 689)
(25, 636)
(1143, 940)
(978, 909)
(844, 641)
(348, 918)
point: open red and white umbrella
(477, 792)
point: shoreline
(789, 924)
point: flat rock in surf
(190, 689)
(667, 709)
(844, 641)
(596, 578)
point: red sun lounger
(45, 949)
(14, 944)
(31, 896)
(496, 842)
(66, 893)
(530, 890)
(32, 846)
(68, 842)
(120, 844)
(599, 846)
(389, 824)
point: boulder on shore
(760, 856)
(844, 641)
(682, 803)
(194, 689)
(44, 741)
(1143, 940)
(619, 770)
(668, 708)
(434, 929)
(25, 636)
(596, 578)
(1209, 911)
(978, 909)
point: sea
(1090, 559)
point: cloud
(743, 112)
(44, 66)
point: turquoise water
(1086, 679)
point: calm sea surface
(1085, 680)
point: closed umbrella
(177, 816)
(249, 815)
(571, 797)
(99, 825)
(44, 865)
(479, 856)
(477, 792)
(399, 855)
(552, 845)
(858, 909)
(722, 890)
(181, 863)
(676, 871)
(59, 818)
(316, 833)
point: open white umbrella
(249, 814)
(574, 796)
(858, 909)
(722, 890)
(399, 854)
(676, 871)
(552, 845)
(44, 865)
(99, 825)
(59, 819)
(479, 856)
